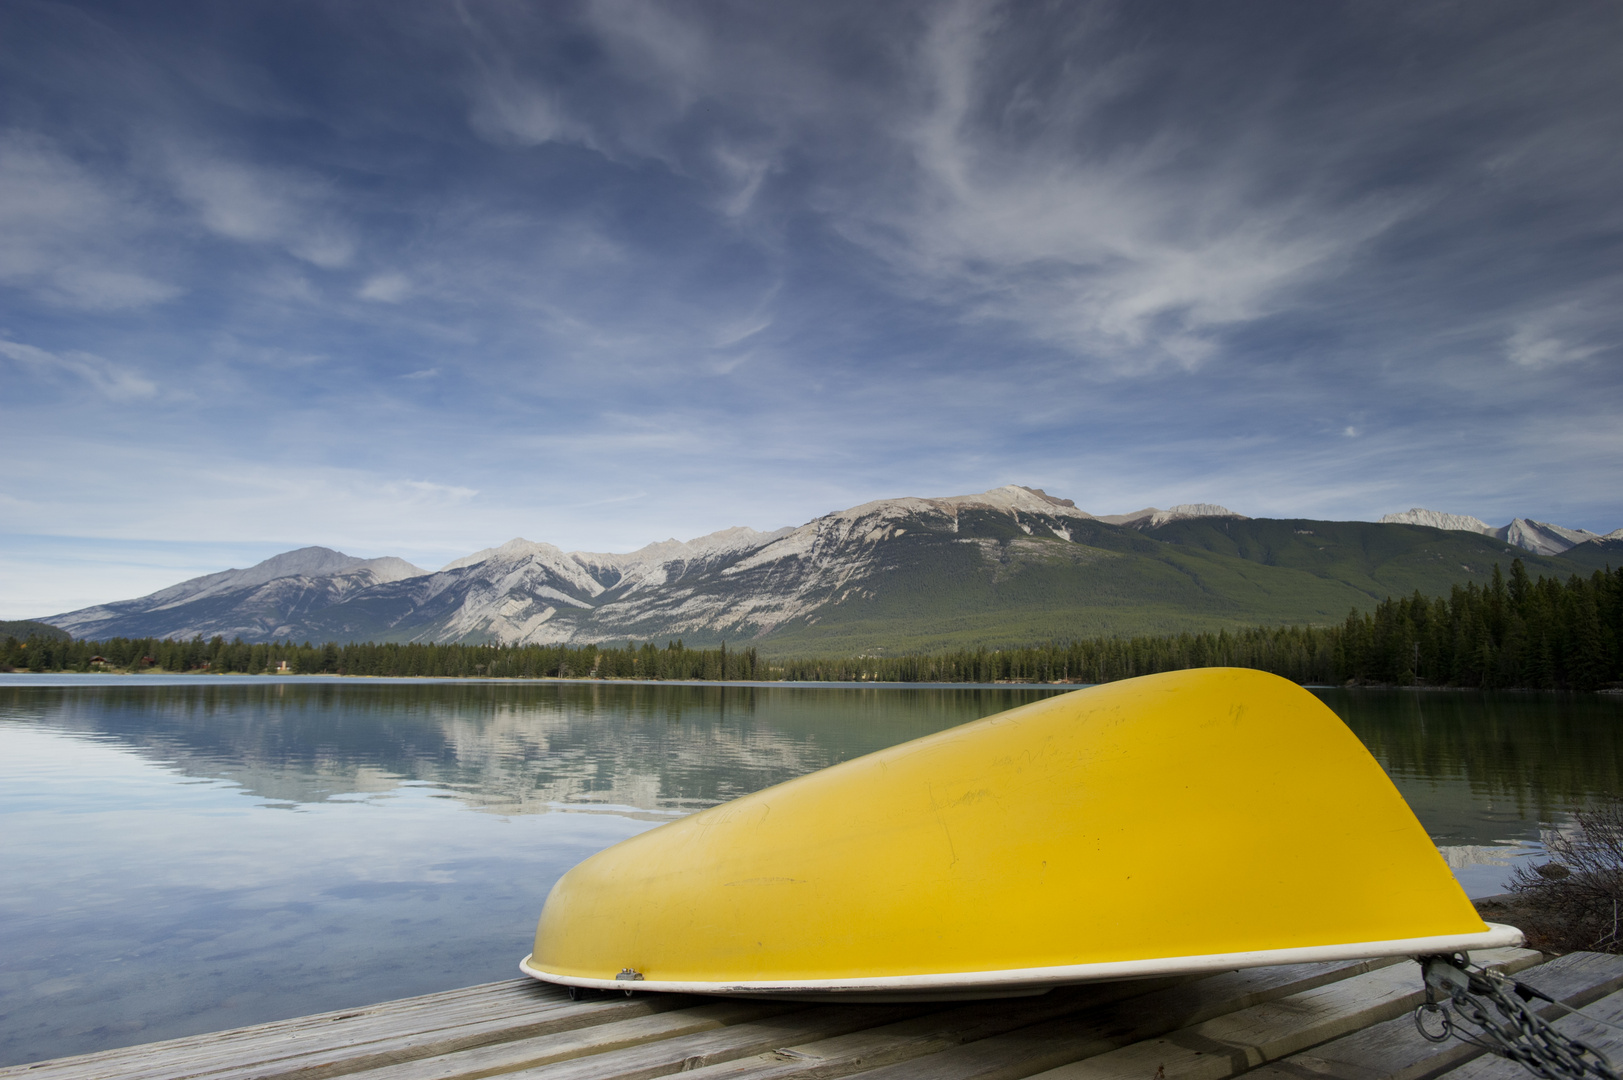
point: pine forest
(1514, 632)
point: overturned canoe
(1192, 821)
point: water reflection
(1474, 764)
(189, 854)
(510, 748)
(143, 896)
(1491, 776)
(1465, 761)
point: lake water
(185, 854)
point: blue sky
(414, 278)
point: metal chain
(1511, 1029)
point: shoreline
(1057, 684)
(233, 676)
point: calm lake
(185, 854)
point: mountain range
(1009, 566)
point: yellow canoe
(1193, 821)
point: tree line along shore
(1514, 632)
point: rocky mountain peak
(309, 562)
(1012, 497)
(512, 551)
(1542, 538)
(1437, 520)
(1150, 517)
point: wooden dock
(1337, 1020)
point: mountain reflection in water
(509, 748)
(184, 854)
(515, 748)
(1473, 764)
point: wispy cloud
(106, 290)
(68, 236)
(1129, 252)
(506, 106)
(260, 205)
(761, 261)
(104, 376)
(1565, 334)
(506, 109)
(385, 288)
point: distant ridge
(1013, 565)
(1436, 520)
(252, 603)
(23, 629)
(1539, 537)
(1150, 517)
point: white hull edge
(1497, 936)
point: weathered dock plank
(579, 1042)
(336, 1043)
(933, 1029)
(693, 1052)
(976, 1040)
(1234, 1042)
(1335, 1021)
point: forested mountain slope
(1198, 574)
